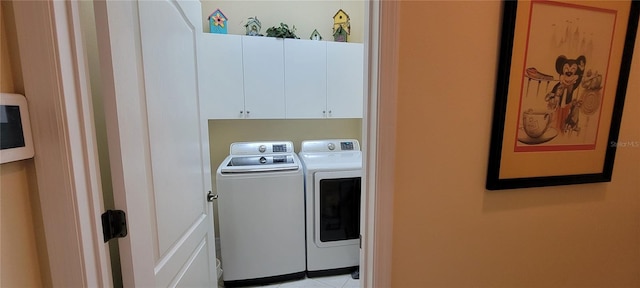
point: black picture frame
(518, 18)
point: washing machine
(260, 188)
(333, 173)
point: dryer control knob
(331, 146)
(262, 148)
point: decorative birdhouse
(340, 35)
(217, 22)
(253, 26)
(341, 26)
(315, 35)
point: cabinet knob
(241, 111)
(248, 111)
(323, 112)
(329, 111)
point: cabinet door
(305, 83)
(221, 81)
(263, 62)
(345, 80)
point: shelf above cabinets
(248, 77)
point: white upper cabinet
(252, 77)
(305, 63)
(263, 62)
(222, 82)
(345, 80)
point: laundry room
(305, 17)
(258, 120)
(245, 92)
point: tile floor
(338, 281)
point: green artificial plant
(282, 32)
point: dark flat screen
(11, 134)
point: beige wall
(23, 262)
(451, 232)
(306, 15)
(20, 266)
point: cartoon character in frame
(567, 44)
(561, 99)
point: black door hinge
(114, 224)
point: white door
(157, 141)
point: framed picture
(562, 80)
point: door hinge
(114, 224)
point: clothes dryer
(333, 173)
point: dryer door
(337, 208)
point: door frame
(56, 83)
(379, 125)
(54, 71)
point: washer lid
(259, 163)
